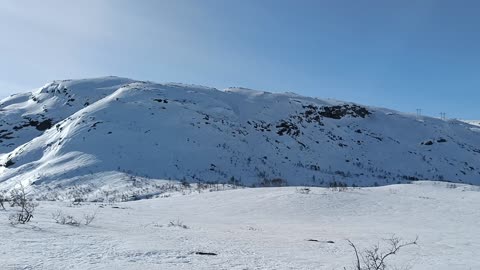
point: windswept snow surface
(72, 131)
(473, 122)
(261, 228)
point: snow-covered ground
(473, 122)
(260, 228)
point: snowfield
(473, 122)
(255, 228)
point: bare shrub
(77, 201)
(3, 199)
(303, 190)
(338, 186)
(375, 258)
(62, 218)
(275, 182)
(19, 198)
(451, 185)
(88, 218)
(59, 217)
(177, 223)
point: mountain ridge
(76, 129)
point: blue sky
(398, 54)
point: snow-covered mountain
(75, 130)
(473, 122)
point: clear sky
(398, 54)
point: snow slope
(72, 131)
(25, 116)
(261, 228)
(473, 122)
